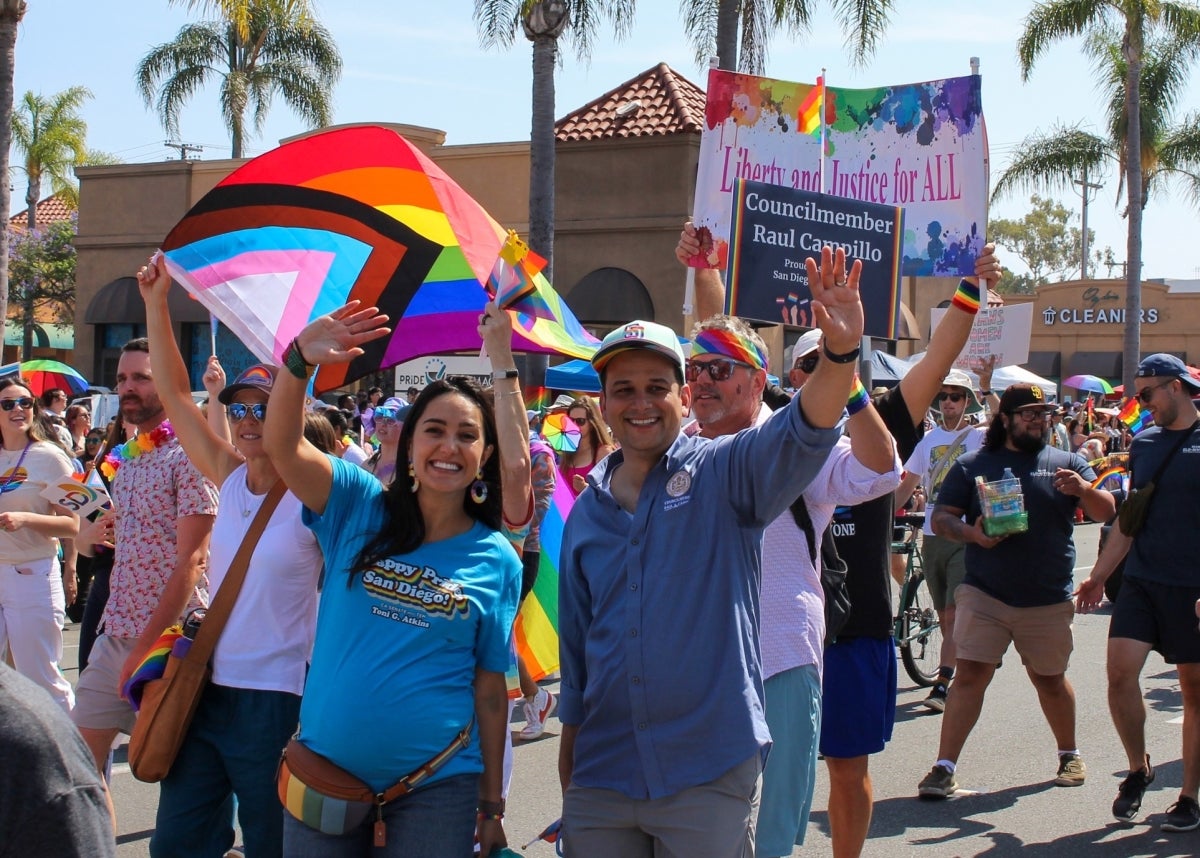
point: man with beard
(161, 540)
(1005, 598)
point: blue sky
(430, 70)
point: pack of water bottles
(1003, 505)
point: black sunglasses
(23, 402)
(953, 397)
(238, 410)
(1147, 393)
(808, 363)
(579, 421)
(92, 440)
(718, 370)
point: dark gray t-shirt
(51, 798)
(1165, 549)
(1028, 569)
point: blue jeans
(232, 748)
(437, 821)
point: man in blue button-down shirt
(662, 698)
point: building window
(234, 356)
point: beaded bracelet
(294, 360)
(858, 398)
(495, 817)
(966, 297)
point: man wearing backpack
(727, 374)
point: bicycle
(918, 632)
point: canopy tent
(886, 369)
(1003, 376)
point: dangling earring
(479, 489)
(412, 475)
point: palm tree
(285, 52)
(237, 12)
(543, 22)
(1137, 20)
(50, 136)
(713, 25)
(11, 13)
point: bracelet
(494, 817)
(516, 392)
(966, 297)
(505, 373)
(858, 398)
(986, 392)
(491, 808)
(294, 360)
(848, 357)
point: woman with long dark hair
(595, 442)
(34, 590)
(420, 593)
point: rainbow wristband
(966, 297)
(858, 398)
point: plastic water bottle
(1003, 505)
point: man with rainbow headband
(862, 466)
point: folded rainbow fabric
(152, 666)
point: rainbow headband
(712, 341)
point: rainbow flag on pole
(812, 109)
(1134, 416)
(536, 629)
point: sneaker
(1071, 771)
(937, 698)
(939, 783)
(1183, 815)
(1129, 794)
(537, 711)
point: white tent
(1003, 376)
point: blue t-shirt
(1029, 569)
(393, 665)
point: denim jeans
(437, 821)
(232, 748)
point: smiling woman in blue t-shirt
(420, 594)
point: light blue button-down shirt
(659, 610)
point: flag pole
(821, 172)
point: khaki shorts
(98, 705)
(984, 627)
(945, 567)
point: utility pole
(1085, 187)
(184, 148)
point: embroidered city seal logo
(679, 483)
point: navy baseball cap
(1163, 365)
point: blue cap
(1163, 365)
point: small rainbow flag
(1114, 471)
(536, 629)
(152, 667)
(1134, 416)
(811, 109)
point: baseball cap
(392, 409)
(1023, 395)
(260, 376)
(806, 345)
(1163, 365)
(639, 334)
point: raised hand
(987, 268)
(836, 307)
(337, 337)
(214, 377)
(153, 279)
(495, 329)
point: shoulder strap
(804, 522)
(947, 459)
(222, 605)
(1162, 469)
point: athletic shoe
(1071, 771)
(1183, 815)
(537, 711)
(1129, 794)
(939, 783)
(937, 698)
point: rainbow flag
(1134, 416)
(811, 109)
(538, 399)
(536, 629)
(152, 666)
(1114, 471)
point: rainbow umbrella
(560, 432)
(44, 375)
(1094, 383)
(361, 213)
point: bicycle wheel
(921, 635)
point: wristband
(858, 398)
(986, 392)
(505, 373)
(491, 809)
(966, 297)
(294, 360)
(495, 817)
(848, 357)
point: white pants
(32, 614)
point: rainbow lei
(159, 436)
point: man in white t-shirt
(953, 436)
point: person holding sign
(34, 591)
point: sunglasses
(953, 397)
(23, 402)
(1031, 415)
(579, 421)
(1147, 393)
(238, 411)
(386, 413)
(718, 370)
(808, 363)
(92, 440)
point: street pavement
(1007, 805)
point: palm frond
(864, 23)
(700, 27)
(756, 28)
(1054, 20)
(498, 21)
(1050, 161)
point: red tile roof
(656, 103)
(53, 208)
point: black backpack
(832, 568)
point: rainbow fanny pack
(326, 797)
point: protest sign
(921, 146)
(775, 228)
(1000, 331)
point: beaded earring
(412, 475)
(479, 489)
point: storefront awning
(1045, 364)
(1103, 364)
(47, 336)
(120, 303)
(610, 296)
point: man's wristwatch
(505, 373)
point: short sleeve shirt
(21, 484)
(151, 493)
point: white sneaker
(537, 711)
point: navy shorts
(858, 697)
(1161, 615)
